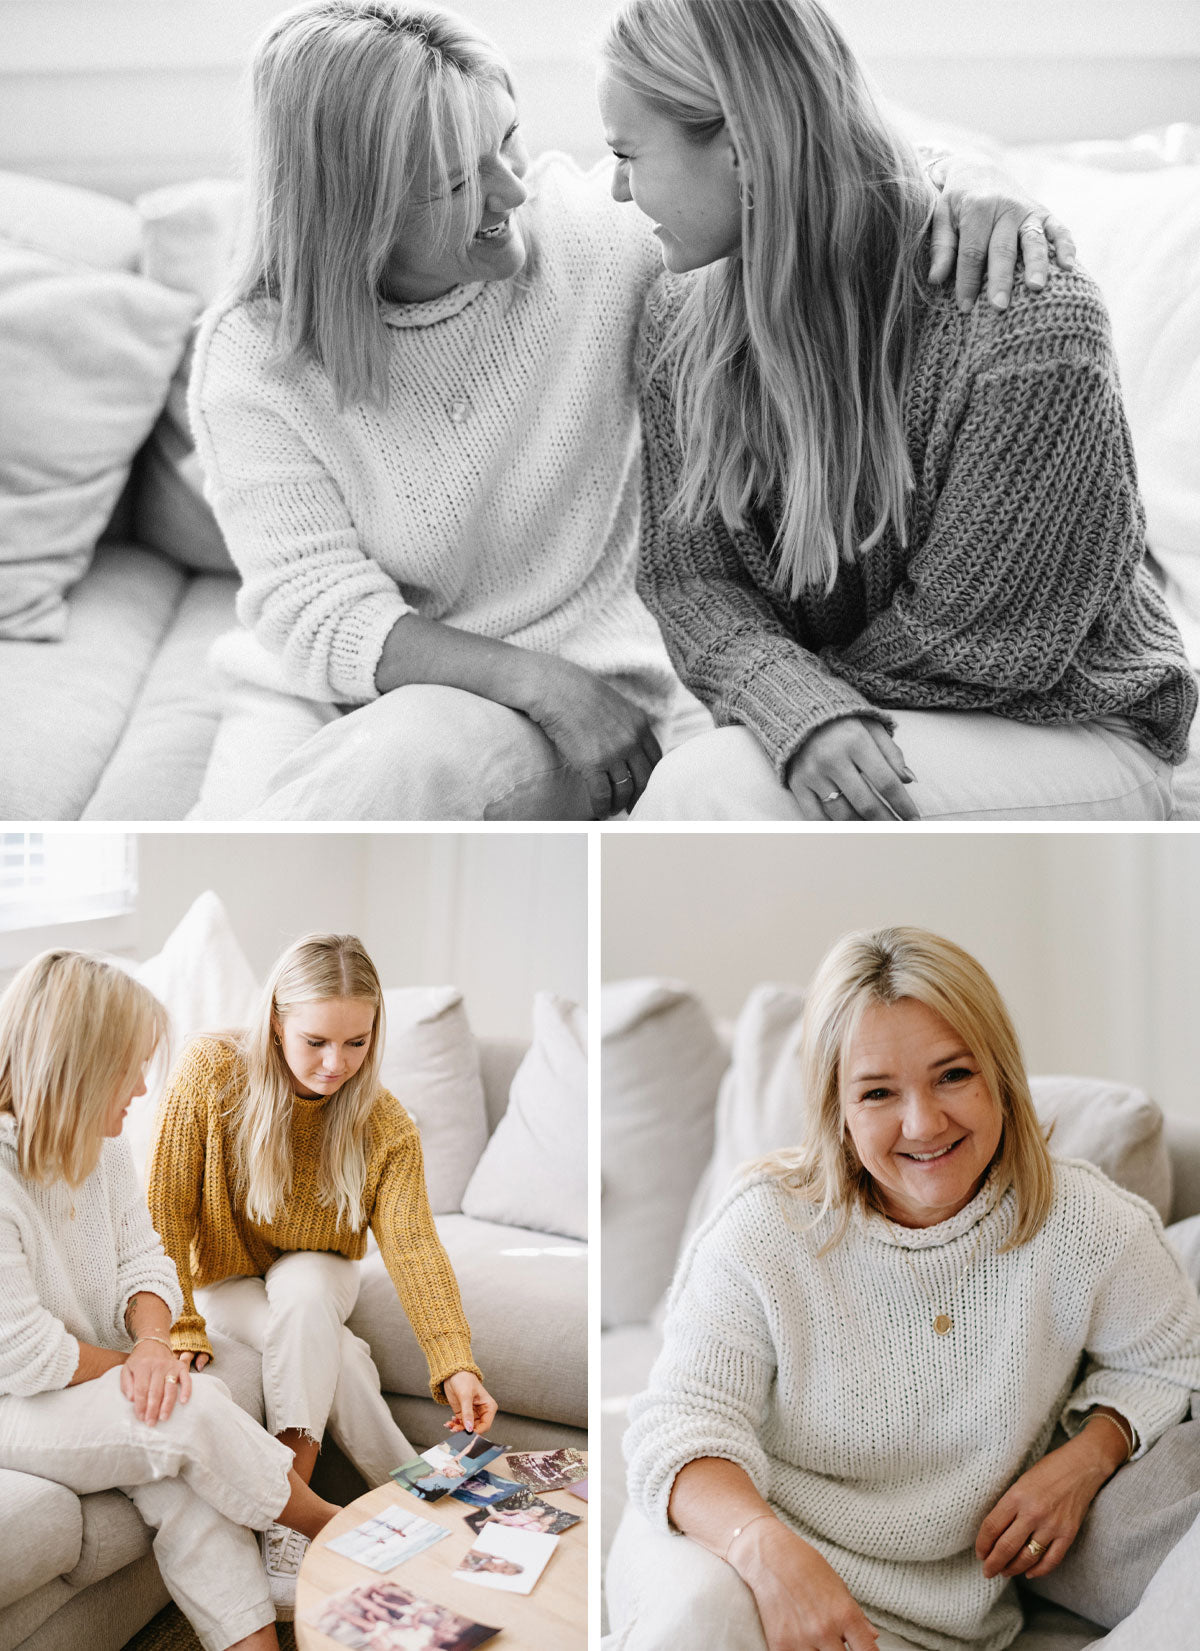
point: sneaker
(283, 1551)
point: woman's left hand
(152, 1378)
(474, 1407)
(1046, 1504)
(985, 218)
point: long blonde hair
(351, 101)
(790, 362)
(885, 966)
(316, 968)
(74, 1031)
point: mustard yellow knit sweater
(209, 1236)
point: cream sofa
(79, 1572)
(678, 1118)
(104, 656)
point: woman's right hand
(851, 769)
(803, 1603)
(600, 734)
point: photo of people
(484, 1489)
(548, 1469)
(509, 1560)
(527, 1512)
(385, 1617)
(445, 1467)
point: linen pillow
(533, 1172)
(78, 225)
(1115, 1127)
(431, 1064)
(189, 233)
(86, 357)
(661, 1065)
(202, 978)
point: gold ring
(832, 797)
(1037, 1549)
(172, 1380)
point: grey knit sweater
(1022, 589)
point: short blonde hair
(886, 966)
(351, 100)
(74, 1030)
(314, 969)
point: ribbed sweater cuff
(357, 646)
(446, 1355)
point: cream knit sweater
(880, 1442)
(519, 522)
(71, 1259)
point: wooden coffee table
(551, 1618)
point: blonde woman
(869, 1346)
(91, 1393)
(896, 549)
(275, 1151)
(417, 415)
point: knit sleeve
(709, 1386)
(1144, 1341)
(142, 1264)
(1035, 544)
(38, 1354)
(176, 1179)
(727, 635)
(310, 593)
(416, 1262)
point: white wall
(501, 916)
(1094, 940)
(123, 95)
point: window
(65, 888)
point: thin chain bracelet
(738, 1529)
(1103, 1416)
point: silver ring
(1032, 227)
(832, 797)
(627, 780)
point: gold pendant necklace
(943, 1323)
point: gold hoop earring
(278, 1040)
(746, 196)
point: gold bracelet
(1120, 1425)
(738, 1529)
(162, 1342)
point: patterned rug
(171, 1631)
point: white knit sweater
(519, 522)
(880, 1442)
(70, 1261)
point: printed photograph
(385, 1617)
(508, 1560)
(547, 1469)
(446, 1466)
(484, 1489)
(526, 1512)
(387, 1539)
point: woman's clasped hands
(802, 1602)
(851, 769)
(152, 1379)
(602, 735)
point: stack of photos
(506, 1559)
(385, 1617)
(388, 1538)
(548, 1469)
(524, 1512)
(445, 1467)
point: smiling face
(325, 1043)
(688, 188)
(425, 261)
(921, 1118)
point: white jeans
(665, 1592)
(969, 765)
(423, 752)
(316, 1373)
(198, 1480)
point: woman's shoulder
(757, 1212)
(664, 300)
(1087, 1199)
(1066, 322)
(235, 339)
(389, 1122)
(207, 1066)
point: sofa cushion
(78, 225)
(525, 1296)
(533, 1172)
(431, 1064)
(86, 357)
(1115, 1127)
(114, 1535)
(43, 1533)
(661, 1064)
(70, 704)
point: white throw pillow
(661, 1066)
(534, 1170)
(1111, 1125)
(203, 980)
(431, 1065)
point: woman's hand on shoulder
(982, 221)
(473, 1406)
(1047, 1505)
(803, 1603)
(152, 1378)
(601, 735)
(851, 769)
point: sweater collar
(875, 1226)
(432, 310)
(8, 1129)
